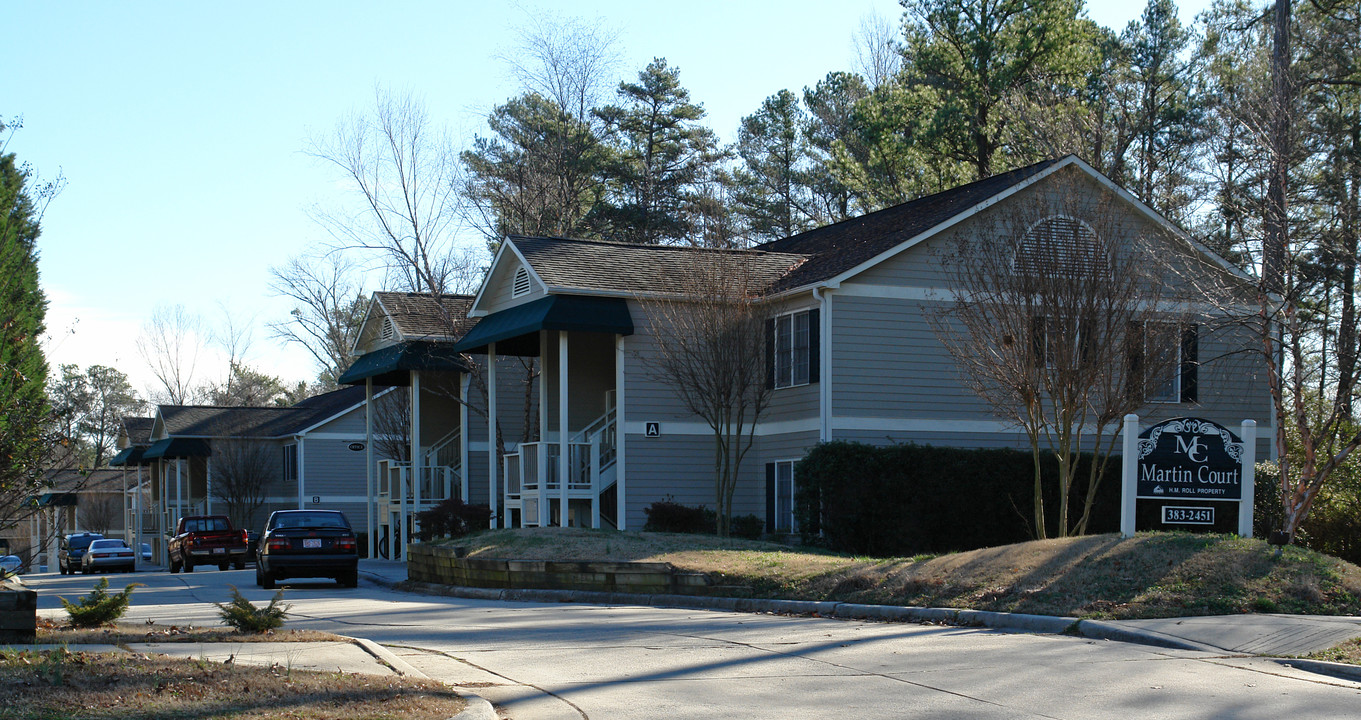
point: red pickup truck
(207, 540)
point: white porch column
(464, 383)
(302, 475)
(491, 435)
(564, 454)
(179, 491)
(620, 466)
(137, 518)
(543, 393)
(208, 485)
(417, 471)
(369, 509)
(1248, 434)
(127, 519)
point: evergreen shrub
(907, 499)
(453, 518)
(99, 607)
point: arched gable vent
(1060, 245)
(386, 331)
(520, 287)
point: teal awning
(57, 499)
(130, 455)
(515, 330)
(393, 364)
(175, 448)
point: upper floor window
(793, 347)
(1164, 362)
(520, 287)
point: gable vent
(386, 332)
(1061, 246)
(521, 285)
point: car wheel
(174, 566)
(349, 579)
(188, 565)
(264, 579)
(240, 565)
(223, 566)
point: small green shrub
(99, 607)
(671, 516)
(452, 519)
(746, 526)
(245, 617)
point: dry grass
(1348, 652)
(64, 684)
(1101, 576)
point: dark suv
(73, 548)
(307, 543)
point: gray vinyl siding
(680, 468)
(648, 397)
(351, 423)
(496, 293)
(590, 371)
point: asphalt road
(540, 661)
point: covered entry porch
(415, 449)
(569, 470)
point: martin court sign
(1188, 459)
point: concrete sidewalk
(1253, 634)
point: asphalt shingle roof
(138, 429)
(633, 268)
(213, 421)
(792, 262)
(836, 248)
(422, 315)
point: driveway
(583, 661)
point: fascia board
(338, 415)
(363, 324)
(507, 245)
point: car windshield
(311, 520)
(107, 544)
(205, 525)
(82, 542)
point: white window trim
(1175, 395)
(775, 365)
(296, 470)
(793, 490)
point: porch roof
(130, 455)
(393, 364)
(171, 448)
(575, 313)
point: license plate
(311, 543)
(219, 551)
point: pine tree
(23, 369)
(661, 153)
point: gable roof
(839, 247)
(138, 429)
(599, 266)
(257, 422)
(423, 315)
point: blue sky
(180, 128)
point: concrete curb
(1341, 671)
(1098, 630)
(478, 708)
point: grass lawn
(1099, 576)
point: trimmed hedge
(671, 516)
(907, 499)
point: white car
(10, 564)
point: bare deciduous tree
(878, 50)
(711, 353)
(99, 512)
(568, 60)
(328, 307)
(406, 171)
(170, 344)
(242, 472)
(1058, 322)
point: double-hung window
(792, 343)
(1164, 364)
(291, 462)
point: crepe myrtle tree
(1060, 320)
(713, 357)
(242, 472)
